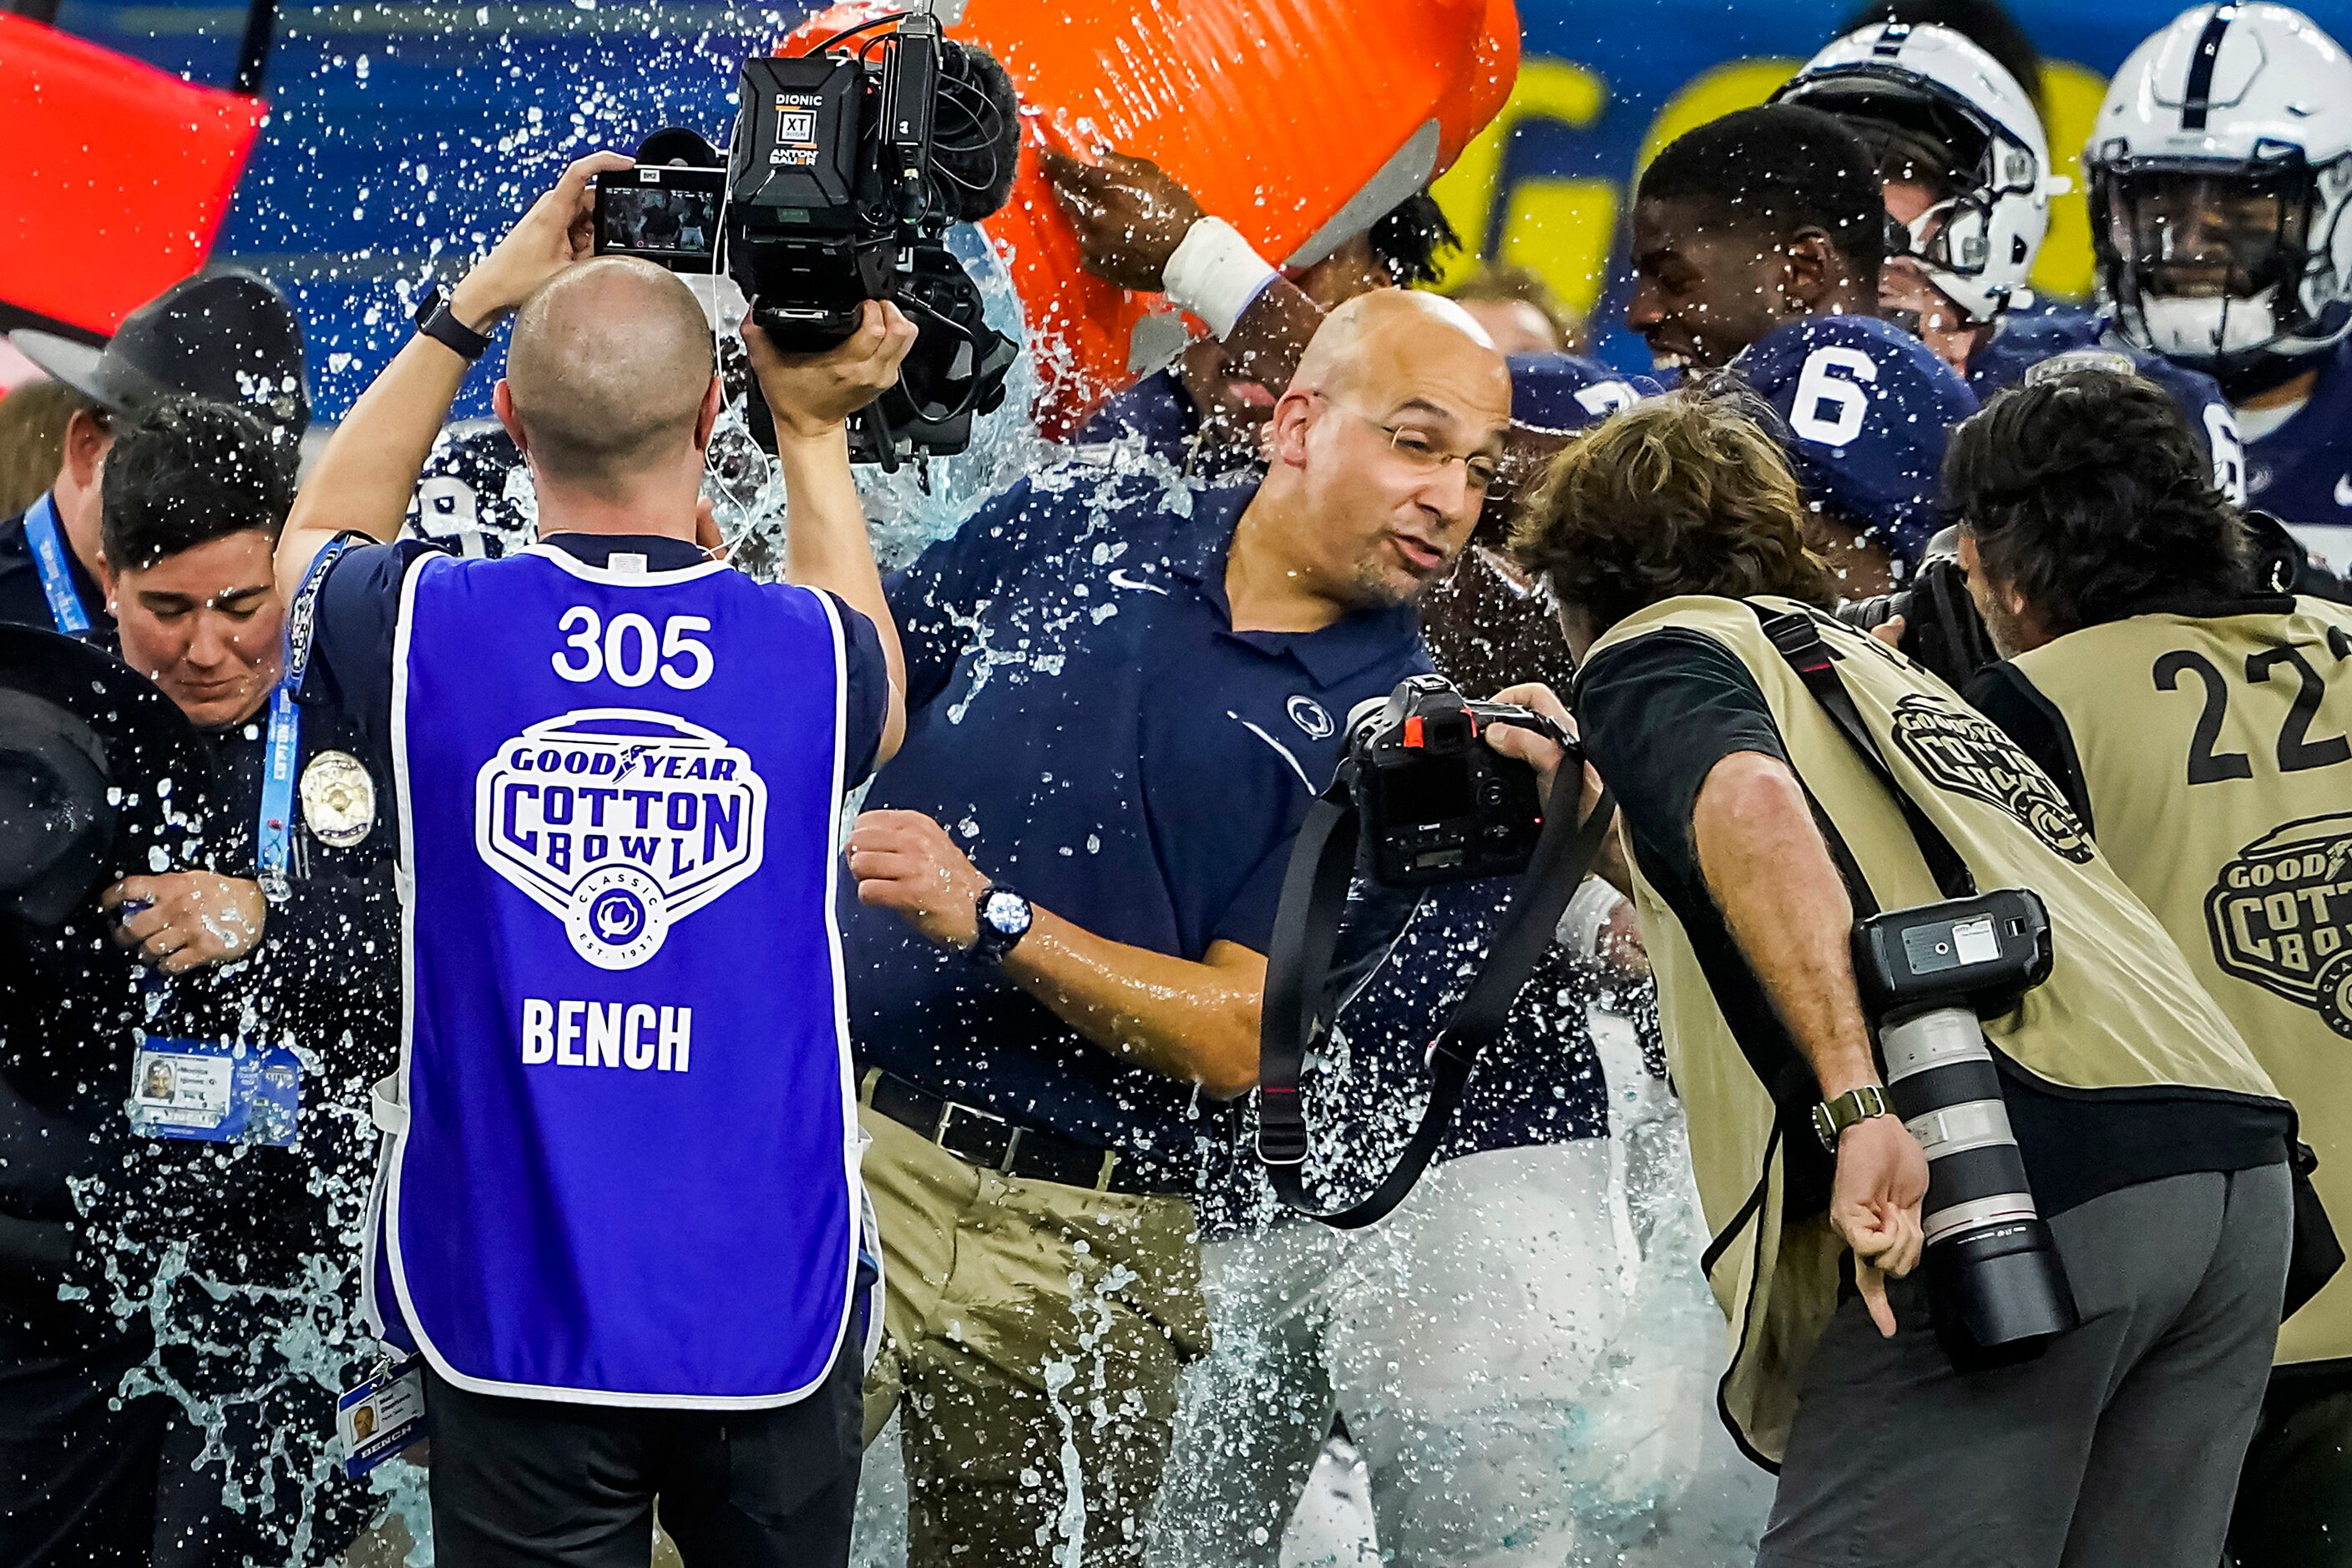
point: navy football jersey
(2024, 341)
(2301, 472)
(1866, 409)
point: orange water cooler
(1298, 121)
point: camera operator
(620, 1194)
(1119, 703)
(219, 1225)
(1764, 809)
(226, 337)
(2197, 722)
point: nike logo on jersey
(1121, 577)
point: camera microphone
(975, 134)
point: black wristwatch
(434, 320)
(1003, 919)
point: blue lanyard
(274, 838)
(49, 559)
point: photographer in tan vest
(1786, 782)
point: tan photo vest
(2120, 1010)
(2216, 756)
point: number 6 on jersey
(1831, 405)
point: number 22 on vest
(2297, 749)
(628, 652)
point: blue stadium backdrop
(399, 132)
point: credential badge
(338, 799)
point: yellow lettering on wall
(1559, 229)
(1563, 228)
(2065, 269)
(1562, 231)
(1712, 94)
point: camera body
(1941, 628)
(817, 221)
(1981, 954)
(846, 169)
(1438, 803)
(1997, 1289)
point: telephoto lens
(1996, 1284)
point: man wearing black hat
(226, 337)
(208, 1105)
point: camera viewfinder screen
(657, 221)
(1432, 792)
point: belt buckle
(947, 1109)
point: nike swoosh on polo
(1121, 578)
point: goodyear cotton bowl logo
(620, 823)
(1964, 752)
(2280, 916)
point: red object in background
(1280, 116)
(113, 180)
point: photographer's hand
(826, 545)
(1874, 1203)
(1545, 755)
(559, 231)
(1769, 870)
(812, 396)
(364, 477)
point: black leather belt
(991, 1141)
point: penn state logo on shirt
(1310, 716)
(2280, 915)
(620, 823)
(1964, 752)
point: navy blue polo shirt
(1089, 726)
(350, 667)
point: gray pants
(2118, 1447)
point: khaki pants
(1034, 1334)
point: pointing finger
(1872, 1285)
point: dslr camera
(1438, 803)
(1941, 628)
(1997, 1289)
(847, 168)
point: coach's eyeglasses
(1420, 450)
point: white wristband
(1215, 275)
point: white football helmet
(2220, 169)
(1931, 82)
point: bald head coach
(1121, 699)
(617, 1209)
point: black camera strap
(1297, 1011)
(1798, 636)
